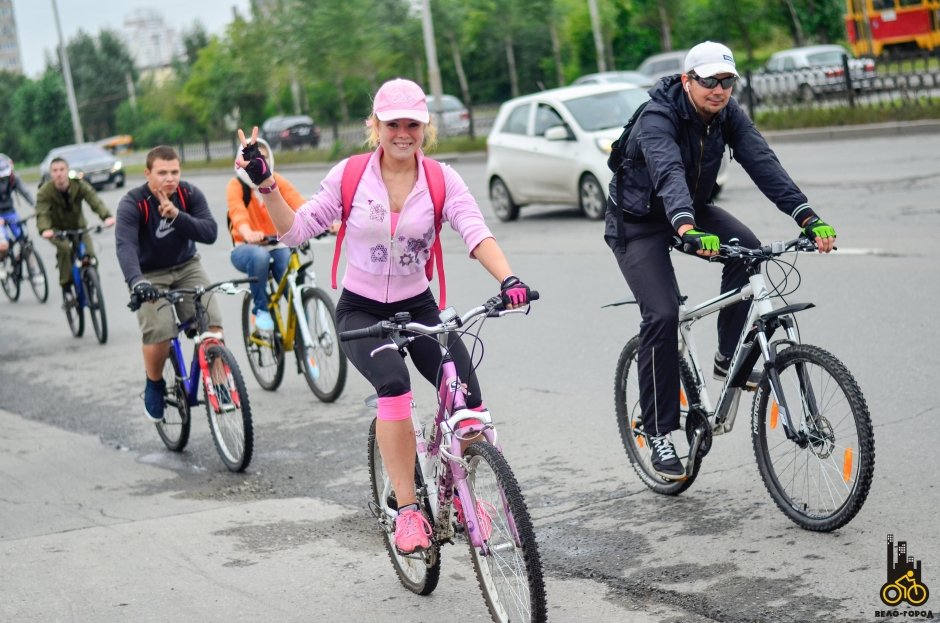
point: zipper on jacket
(701, 156)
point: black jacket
(673, 157)
(146, 242)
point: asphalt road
(99, 522)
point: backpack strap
(436, 186)
(352, 174)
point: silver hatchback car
(552, 147)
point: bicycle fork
(218, 403)
(304, 328)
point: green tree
(10, 137)
(102, 70)
(41, 115)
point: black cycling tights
(387, 371)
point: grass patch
(797, 118)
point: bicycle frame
(292, 283)
(440, 458)
(80, 259)
(198, 367)
(762, 321)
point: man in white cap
(663, 189)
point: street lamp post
(67, 71)
(434, 71)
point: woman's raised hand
(251, 159)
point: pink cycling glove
(513, 291)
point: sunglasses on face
(711, 82)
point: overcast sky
(35, 23)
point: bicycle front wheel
(228, 408)
(508, 569)
(324, 364)
(265, 351)
(74, 312)
(174, 428)
(630, 420)
(820, 479)
(418, 572)
(94, 296)
(36, 273)
(11, 278)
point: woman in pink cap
(390, 233)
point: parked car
(552, 147)
(627, 77)
(87, 161)
(456, 115)
(664, 64)
(288, 131)
(812, 71)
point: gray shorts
(156, 320)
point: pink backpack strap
(437, 188)
(352, 174)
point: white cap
(710, 58)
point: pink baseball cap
(401, 99)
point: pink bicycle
(470, 492)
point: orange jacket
(255, 214)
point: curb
(868, 130)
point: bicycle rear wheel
(821, 479)
(36, 273)
(228, 408)
(509, 569)
(418, 572)
(630, 420)
(74, 312)
(265, 351)
(324, 364)
(174, 428)
(94, 296)
(11, 278)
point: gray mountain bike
(810, 426)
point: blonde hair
(372, 134)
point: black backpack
(618, 149)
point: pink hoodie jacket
(383, 265)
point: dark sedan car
(87, 161)
(284, 132)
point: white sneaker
(263, 321)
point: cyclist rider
(158, 225)
(249, 224)
(9, 220)
(59, 206)
(385, 272)
(670, 166)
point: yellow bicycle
(319, 356)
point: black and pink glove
(257, 166)
(513, 291)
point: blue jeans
(255, 261)
(12, 225)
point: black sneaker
(663, 456)
(155, 400)
(722, 364)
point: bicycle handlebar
(176, 294)
(734, 250)
(62, 234)
(492, 308)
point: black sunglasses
(711, 82)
